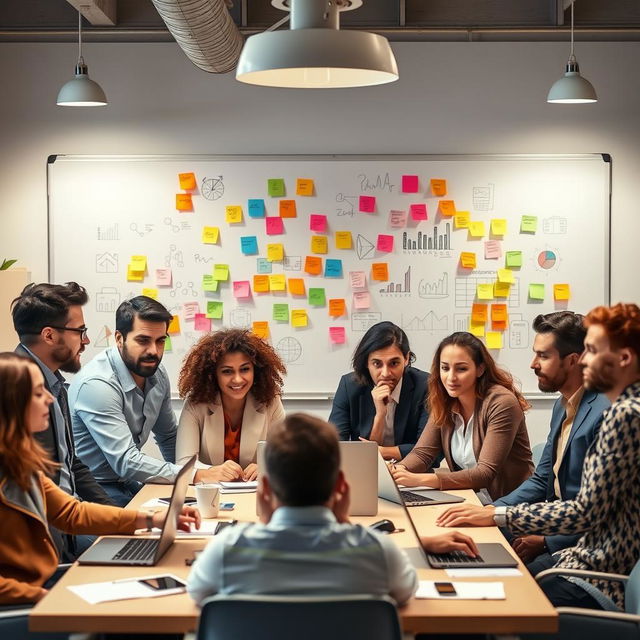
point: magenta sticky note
(317, 222)
(201, 322)
(367, 204)
(241, 288)
(385, 243)
(419, 211)
(337, 335)
(275, 225)
(410, 184)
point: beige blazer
(201, 431)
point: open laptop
(139, 551)
(359, 463)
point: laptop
(359, 463)
(141, 551)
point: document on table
(207, 529)
(464, 591)
(495, 572)
(238, 487)
(96, 592)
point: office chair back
(249, 617)
(632, 591)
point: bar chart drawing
(428, 242)
(399, 287)
(428, 322)
(108, 233)
(438, 288)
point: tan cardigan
(500, 444)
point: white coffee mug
(208, 498)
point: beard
(550, 385)
(137, 365)
(67, 361)
(600, 374)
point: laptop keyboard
(412, 499)
(453, 558)
(142, 549)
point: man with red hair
(606, 510)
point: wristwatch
(500, 516)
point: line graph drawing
(428, 322)
(438, 288)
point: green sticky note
(209, 283)
(167, 344)
(214, 309)
(221, 272)
(529, 224)
(536, 291)
(275, 187)
(317, 297)
(513, 259)
(281, 312)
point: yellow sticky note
(343, 240)
(506, 275)
(380, 271)
(498, 226)
(536, 291)
(221, 272)
(277, 282)
(134, 276)
(138, 263)
(476, 228)
(561, 291)
(261, 283)
(468, 260)
(485, 292)
(296, 287)
(494, 340)
(299, 318)
(304, 187)
(233, 213)
(184, 202)
(187, 181)
(174, 325)
(461, 220)
(447, 208)
(476, 328)
(501, 289)
(210, 235)
(261, 329)
(319, 244)
(438, 187)
(275, 252)
(150, 293)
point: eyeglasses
(83, 331)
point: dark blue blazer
(353, 410)
(539, 487)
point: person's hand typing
(450, 541)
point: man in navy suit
(384, 398)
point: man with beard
(50, 325)
(606, 510)
(123, 395)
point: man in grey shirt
(123, 395)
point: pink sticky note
(358, 279)
(274, 225)
(201, 322)
(337, 335)
(367, 204)
(361, 299)
(385, 243)
(492, 249)
(317, 222)
(397, 218)
(163, 277)
(241, 288)
(189, 310)
(419, 211)
(410, 184)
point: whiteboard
(105, 209)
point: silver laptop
(139, 551)
(359, 463)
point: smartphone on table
(187, 500)
(163, 583)
(445, 589)
(223, 524)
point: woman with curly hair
(232, 382)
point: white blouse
(462, 442)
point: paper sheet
(464, 591)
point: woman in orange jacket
(30, 501)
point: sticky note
(275, 252)
(163, 277)
(418, 211)
(263, 265)
(210, 235)
(380, 271)
(528, 224)
(468, 259)
(260, 283)
(304, 187)
(249, 245)
(536, 291)
(492, 250)
(201, 322)
(214, 309)
(281, 312)
(485, 291)
(174, 325)
(317, 297)
(384, 243)
(299, 318)
(438, 187)
(367, 204)
(501, 289)
(410, 184)
(494, 340)
(499, 325)
(337, 307)
(479, 313)
(233, 213)
(189, 309)
(168, 345)
(221, 272)
(187, 181)
(343, 240)
(278, 282)
(561, 292)
(209, 283)
(498, 313)
(260, 329)
(337, 335)
(505, 275)
(476, 328)
(241, 288)
(513, 259)
(397, 218)
(184, 202)
(476, 228)
(317, 222)
(134, 276)
(319, 244)
(296, 287)
(498, 226)
(313, 265)
(150, 293)
(332, 268)
(447, 208)
(255, 206)
(358, 279)
(361, 299)
(461, 220)
(287, 209)
(138, 263)
(275, 187)
(274, 225)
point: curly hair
(621, 322)
(198, 379)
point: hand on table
(250, 473)
(409, 479)
(450, 541)
(528, 547)
(467, 515)
(228, 471)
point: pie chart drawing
(547, 259)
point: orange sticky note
(313, 265)
(261, 283)
(304, 187)
(498, 313)
(187, 181)
(174, 325)
(380, 271)
(561, 291)
(319, 244)
(343, 240)
(261, 329)
(447, 208)
(337, 307)
(184, 202)
(287, 209)
(296, 287)
(438, 187)
(479, 313)
(468, 260)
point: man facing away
(122, 396)
(305, 544)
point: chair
(251, 617)
(536, 453)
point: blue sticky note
(263, 265)
(332, 268)
(249, 245)
(256, 208)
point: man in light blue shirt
(122, 396)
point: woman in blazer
(232, 382)
(476, 420)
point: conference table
(525, 609)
